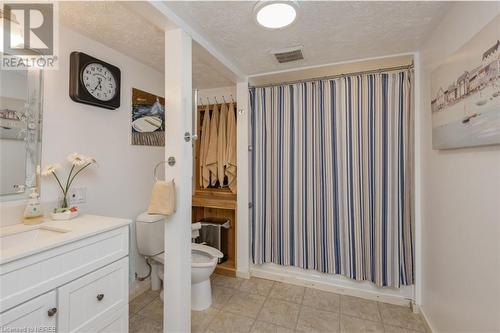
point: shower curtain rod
(336, 76)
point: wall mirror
(20, 131)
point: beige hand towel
(231, 149)
(204, 180)
(211, 155)
(162, 198)
(222, 144)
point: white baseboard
(307, 279)
(137, 288)
(243, 274)
(426, 320)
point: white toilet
(150, 242)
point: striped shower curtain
(332, 176)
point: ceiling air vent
(288, 55)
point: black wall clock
(93, 81)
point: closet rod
(203, 106)
(336, 76)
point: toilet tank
(150, 231)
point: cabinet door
(86, 303)
(36, 315)
(117, 322)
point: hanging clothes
(204, 180)
(222, 144)
(211, 155)
(231, 149)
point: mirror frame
(33, 139)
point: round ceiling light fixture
(275, 14)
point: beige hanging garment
(204, 141)
(231, 149)
(222, 144)
(211, 155)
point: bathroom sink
(31, 236)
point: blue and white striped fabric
(333, 176)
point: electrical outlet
(77, 196)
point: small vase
(63, 212)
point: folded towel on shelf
(231, 149)
(211, 155)
(162, 198)
(204, 180)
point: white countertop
(70, 231)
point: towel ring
(170, 161)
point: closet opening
(214, 198)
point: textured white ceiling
(121, 27)
(116, 26)
(330, 31)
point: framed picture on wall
(465, 93)
(148, 119)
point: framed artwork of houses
(465, 92)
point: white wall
(121, 185)
(460, 202)
(216, 93)
(177, 256)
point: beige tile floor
(258, 305)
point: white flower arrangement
(77, 159)
(50, 168)
(79, 162)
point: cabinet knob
(52, 312)
(100, 297)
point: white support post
(418, 126)
(242, 227)
(178, 120)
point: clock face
(99, 81)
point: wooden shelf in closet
(226, 268)
(214, 198)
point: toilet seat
(201, 255)
(201, 259)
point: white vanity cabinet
(86, 303)
(39, 313)
(77, 286)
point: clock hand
(98, 84)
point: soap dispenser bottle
(33, 211)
